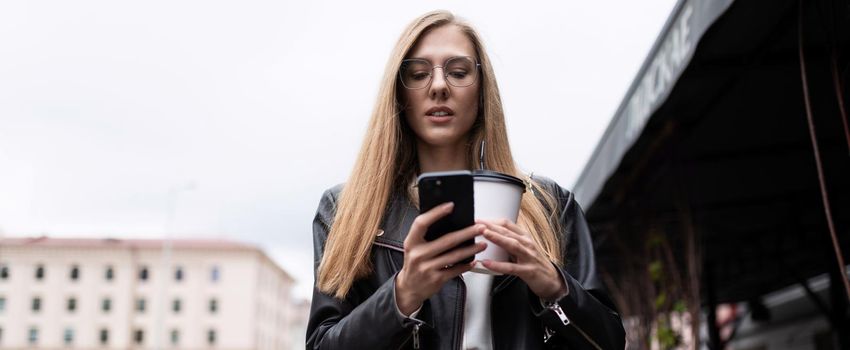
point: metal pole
(838, 318)
(711, 322)
(836, 245)
(165, 262)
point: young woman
(380, 285)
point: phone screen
(453, 186)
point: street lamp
(165, 258)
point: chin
(441, 139)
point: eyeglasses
(416, 73)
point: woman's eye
(458, 74)
(419, 75)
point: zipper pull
(558, 311)
(416, 335)
(555, 307)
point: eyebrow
(447, 58)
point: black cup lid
(489, 174)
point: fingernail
(448, 205)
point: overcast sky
(248, 110)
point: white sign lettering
(667, 64)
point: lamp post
(165, 259)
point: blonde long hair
(387, 162)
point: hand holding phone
(429, 265)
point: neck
(442, 158)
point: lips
(440, 111)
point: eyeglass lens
(459, 72)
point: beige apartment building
(59, 293)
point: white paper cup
(497, 196)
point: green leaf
(654, 240)
(656, 270)
(680, 306)
(660, 300)
(667, 337)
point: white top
(477, 334)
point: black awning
(667, 59)
(714, 132)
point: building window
(213, 305)
(75, 273)
(110, 273)
(175, 337)
(175, 305)
(104, 336)
(4, 272)
(2, 304)
(33, 336)
(106, 305)
(143, 273)
(178, 274)
(139, 336)
(39, 272)
(140, 305)
(1, 335)
(72, 304)
(211, 337)
(36, 304)
(69, 336)
(215, 274)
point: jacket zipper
(416, 335)
(560, 312)
(556, 308)
(583, 334)
(413, 335)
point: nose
(439, 88)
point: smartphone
(436, 188)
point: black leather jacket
(369, 319)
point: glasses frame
(431, 74)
